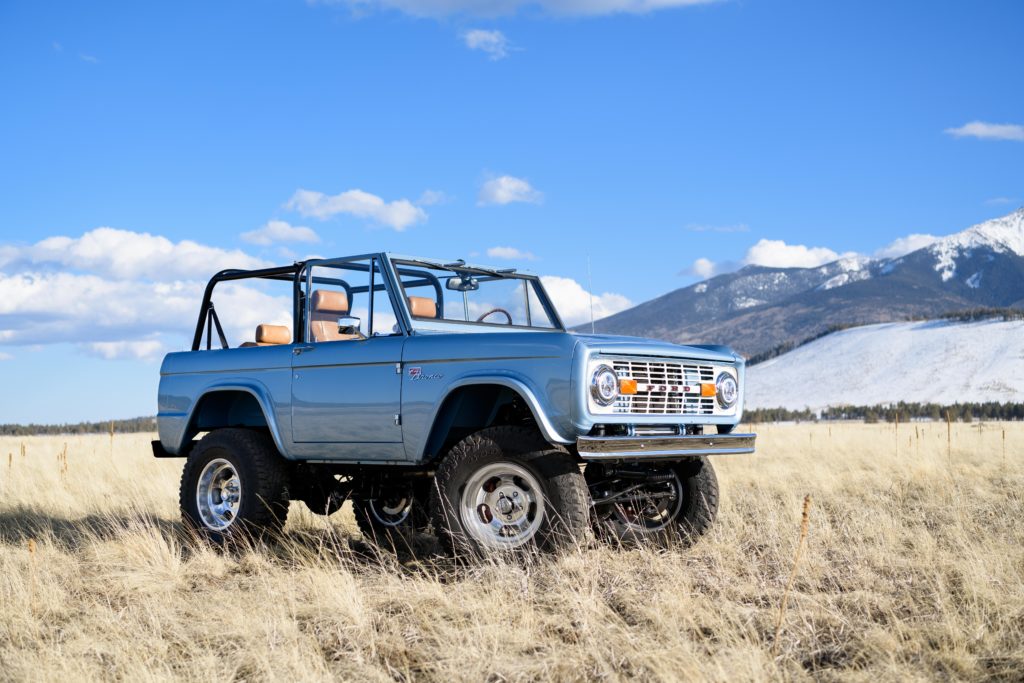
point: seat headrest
(422, 307)
(273, 334)
(327, 301)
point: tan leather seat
(324, 310)
(270, 335)
(422, 307)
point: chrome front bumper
(657, 447)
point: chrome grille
(665, 388)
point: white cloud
(5, 356)
(771, 254)
(279, 231)
(51, 308)
(988, 131)
(905, 245)
(432, 198)
(995, 201)
(507, 189)
(703, 268)
(491, 8)
(510, 253)
(494, 43)
(122, 294)
(9, 254)
(149, 349)
(778, 254)
(123, 254)
(398, 214)
(573, 302)
(54, 308)
(88, 58)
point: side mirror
(349, 324)
(462, 283)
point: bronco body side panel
(346, 399)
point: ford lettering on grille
(665, 388)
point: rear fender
(175, 433)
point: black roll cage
(210, 322)
(208, 319)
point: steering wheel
(496, 310)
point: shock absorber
(646, 475)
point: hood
(637, 346)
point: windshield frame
(401, 264)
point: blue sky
(644, 134)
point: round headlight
(604, 385)
(728, 390)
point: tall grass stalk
(804, 527)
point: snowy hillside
(938, 361)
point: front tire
(505, 488)
(234, 485)
(677, 502)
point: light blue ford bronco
(439, 394)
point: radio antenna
(590, 287)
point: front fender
(419, 429)
(540, 411)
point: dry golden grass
(913, 568)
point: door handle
(299, 350)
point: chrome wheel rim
(653, 517)
(218, 494)
(502, 505)
(391, 511)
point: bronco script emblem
(416, 374)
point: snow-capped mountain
(927, 362)
(998, 236)
(757, 308)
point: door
(346, 373)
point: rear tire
(685, 511)
(393, 513)
(322, 494)
(234, 485)
(505, 488)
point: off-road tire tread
(697, 519)
(700, 507)
(269, 482)
(557, 469)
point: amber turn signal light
(708, 390)
(627, 386)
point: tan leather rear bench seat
(270, 335)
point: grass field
(913, 569)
